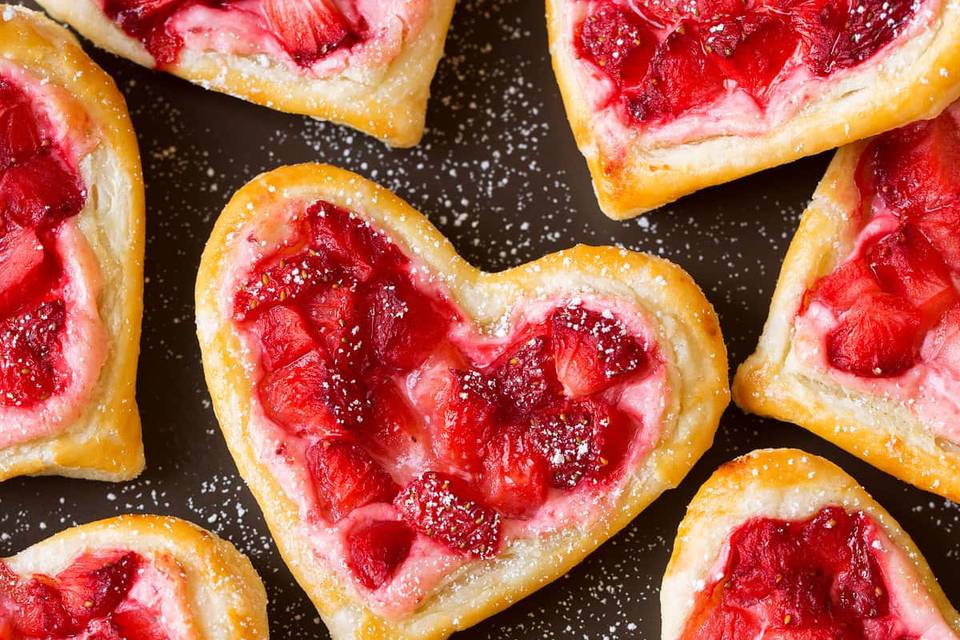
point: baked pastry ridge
(781, 543)
(431, 442)
(862, 330)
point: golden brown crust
(783, 484)
(881, 431)
(225, 596)
(918, 79)
(686, 327)
(104, 442)
(389, 103)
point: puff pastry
(132, 577)
(456, 440)
(71, 260)
(776, 522)
(667, 98)
(367, 65)
(857, 347)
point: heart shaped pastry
(865, 320)
(782, 544)
(364, 64)
(132, 578)
(429, 442)
(71, 259)
(669, 97)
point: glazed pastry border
(228, 598)
(688, 334)
(388, 103)
(104, 442)
(881, 431)
(777, 483)
(924, 78)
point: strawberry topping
(89, 599)
(368, 370)
(667, 59)
(308, 30)
(813, 578)
(898, 288)
(39, 189)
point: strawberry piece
(42, 189)
(587, 439)
(24, 268)
(285, 280)
(593, 351)
(347, 241)
(307, 395)
(19, 136)
(446, 509)
(941, 227)
(403, 325)
(515, 475)
(346, 477)
(392, 430)
(525, 377)
(683, 75)
(878, 337)
(30, 354)
(917, 169)
(466, 422)
(618, 41)
(375, 550)
(335, 314)
(841, 289)
(755, 48)
(307, 29)
(40, 611)
(133, 622)
(284, 336)
(93, 586)
(907, 265)
(146, 20)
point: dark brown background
(499, 174)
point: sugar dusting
(499, 174)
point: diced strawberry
(93, 586)
(403, 325)
(526, 377)
(515, 475)
(134, 622)
(907, 265)
(146, 20)
(467, 420)
(24, 269)
(335, 314)
(878, 337)
(376, 549)
(593, 351)
(917, 168)
(682, 76)
(446, 509)
(584, 439)
(618, 41)
(942, 228)
(287, 279)
(307, 395)
(30, 353)
(392, 430)
(347, 241)
(346, 477)
(839, 290)
(40, 611)
(40, 190)
(307, 29)
(283, 335)
(19, 137)
(755, 48)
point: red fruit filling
(407, 427)
(89, 599)
(899, 285)
(308, 30)
(38, 191)
(666, 59)
(815, 578)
